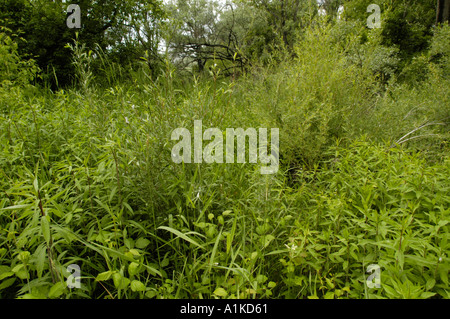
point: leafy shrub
(14, 70)
(311, 99)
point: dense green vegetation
(87, 177)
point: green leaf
(430, 284)
(165, 262)
(6, 275)
(120, 282)
(136, 285)
(45, 226)
(271, 284)
(104, 275)
(400, 258)
(266, 240)
(214, 251)
(261, 279)
(141, 243)
(41, 254)
(329, 295)
(16, 207)
(390, 291)
(133, 268)
(20, 271)
(443, 273)
(134, 252)
(220, 292)
(420, 261)
(150, 294)
(8, 282)
(181, 235)
(201, 225)
(427, 294)
(36, 184)
(56, 290)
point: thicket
(86, 177)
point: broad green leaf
(392, 293)
(20, 271)
(136, 285)
(141, 243)
(430, 284)
(133, 268)
(266, 240)
(261, 279)
(4, 269)
(104, 275)
(165, 262)
(120, 282)
(427, 294)
(150, 294)
(6, 275)
(134, 252)
(220, 292)
(56, 290)
(8, 282)
(329, 295)
(271, 284)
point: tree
(113, 25)
(442, 11)
(203, 31)
(288, 16)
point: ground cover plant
(87, 176)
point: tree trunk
(442, 11)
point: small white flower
(293, 247)
(440, 259)
(126, 120)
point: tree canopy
(200, 33)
